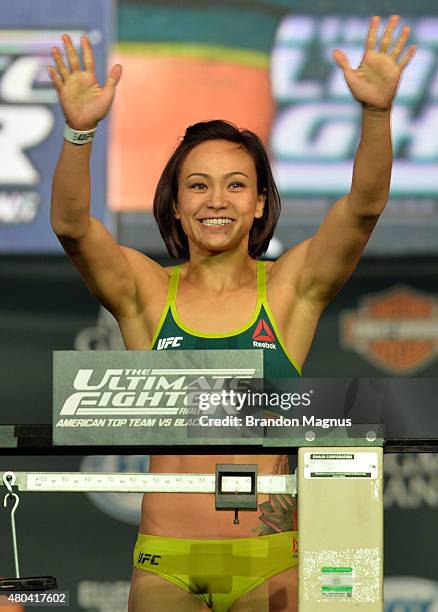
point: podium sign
(220, 398)
(159, 398)
(204, 398)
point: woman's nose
(217, 198)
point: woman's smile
(216, 224)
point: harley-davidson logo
(397, 330)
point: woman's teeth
(216, 221)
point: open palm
(83, 101)
(374, 83)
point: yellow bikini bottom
(217, 571)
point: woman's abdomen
(193, 515)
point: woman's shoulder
(147, 271)
(289, 265)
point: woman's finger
(401, 43)
(408, 56)
(56, 79)
(72, 56)
(341, 59)
(370, 43)
(60, 65)
(87, 54)
(386, 41)
(112, 79)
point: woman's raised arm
(330, 256)
(108, 269)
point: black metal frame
(37, 439)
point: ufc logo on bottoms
(148, 557)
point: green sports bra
(260, 332)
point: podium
(127, 401)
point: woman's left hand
(374, 83)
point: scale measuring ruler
(145, 483)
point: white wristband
(78, 137)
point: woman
(216, 205)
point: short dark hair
(166, 193)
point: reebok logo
(263, 332)
(263, 336)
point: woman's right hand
(83, 101)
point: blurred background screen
(31, 123)
(265, 65)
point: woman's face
(217, 197)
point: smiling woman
(190, 162)
(217, 205)
(218, 211)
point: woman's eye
(197, 186)
(236, 184)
